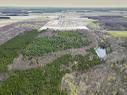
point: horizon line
(61, 7)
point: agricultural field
(67, 23)
(14, 19)
(60, 41)
(118, 33)
(114, 23)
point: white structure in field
(101, 53)
(64, 23)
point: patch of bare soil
(3, 76)
(48, 33)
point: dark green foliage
(41, 81)
(91, 51)
(45, 80)
(11, 49)
(61, 41)
(85, 62)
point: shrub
(11, 49)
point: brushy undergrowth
(11, 49)
(41, 81)
(61, 41)
(46, 80)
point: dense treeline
(11, 49)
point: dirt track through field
(22, 64)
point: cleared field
(66, 23)
(15, 19)
(118, 33)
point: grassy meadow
(118, 33)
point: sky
(64, 3)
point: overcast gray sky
(64, 3)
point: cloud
(65, 3)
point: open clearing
(14, 19)
(66, 23)
(118, 33)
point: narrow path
(21, 64)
